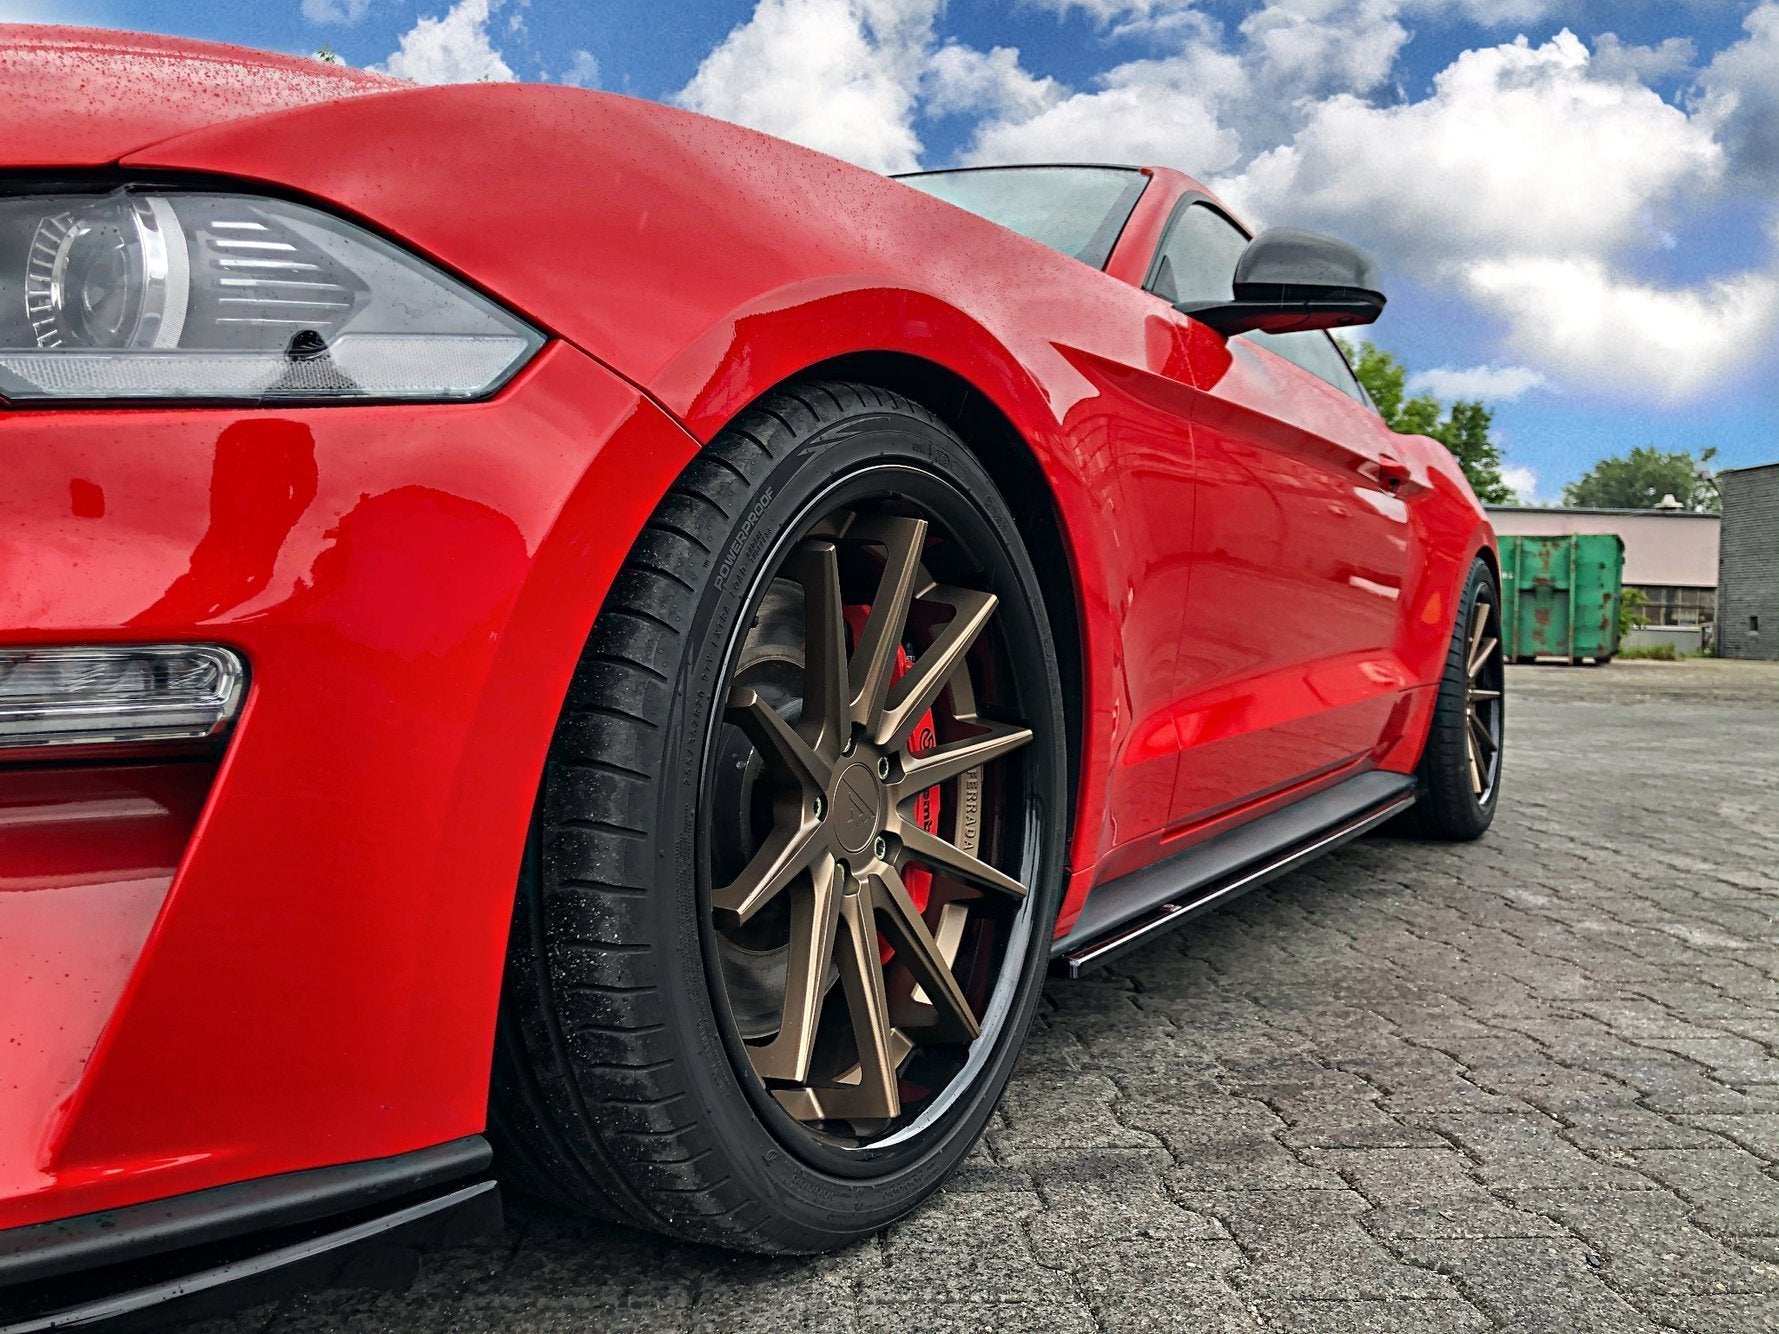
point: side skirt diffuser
(1125, 912)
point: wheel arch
(1010, 461)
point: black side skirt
(1125, 912)
(362, 1224)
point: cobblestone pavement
(1529, 1084)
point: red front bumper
(296, 964)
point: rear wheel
(1460, 771)
(797, 856)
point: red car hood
(82, 97)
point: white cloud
(1491, 384)
(1484, 13)
(454, 49)
(1582, 319)
(1741, 95)
(1107, 12)
(1517, 145)
(1162, 112)
(961, 78)
(1307, 48)
(582, 71)
(335, 11)
(1531, 182)
(834, 75)
(1615, 59)
(1522, 481)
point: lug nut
(880, 849)
(821, 807)
(883, 767)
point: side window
(1196, 262)
(1316, 353)
(1196, 259)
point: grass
(1653, 653)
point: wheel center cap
(856, 804)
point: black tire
(1449, 805)
(620, 1088)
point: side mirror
(1289, 279)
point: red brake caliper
(926, 806)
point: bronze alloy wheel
(1458, 779)
(860, 923)
(1483, 669)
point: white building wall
(1661, 547)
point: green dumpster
(1560, 596)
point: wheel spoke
(1478, 696)
(861, 978)
(874, 658)
(1480, 655)
(1476, 768)
(1482, 734)
(777, 741)
(948, 859)
(914, 694)
(788, 850)
(814, 922)
(920, 772)
(918, 952)
(1477, 632)
(825, 723)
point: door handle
(1392, 472)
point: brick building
(1748, 563)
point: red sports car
(542, 630)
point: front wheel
(798, 853)
(1459, 777)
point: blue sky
(1576, 201)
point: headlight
(140, 294)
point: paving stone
(1527, 1149)
(1370, 1316)
(1239, 1153)
(1729, 1189)
(942, 1317)
(1525, 1084)
(1429, 1193)
(1647, 1243)
(1733, 1061)
(1715, 1313)
(1758, 1132)
(1311, 1245)
(1615, 1131)
(1532, 1286)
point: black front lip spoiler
(362, 1224)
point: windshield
(1077, 210)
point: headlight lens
(139, 294)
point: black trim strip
(88, 1241)
(381, 1251)
(1125, 912)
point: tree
(1639, 480)
(328, 56)
(1463, 428)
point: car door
(1301, 550)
